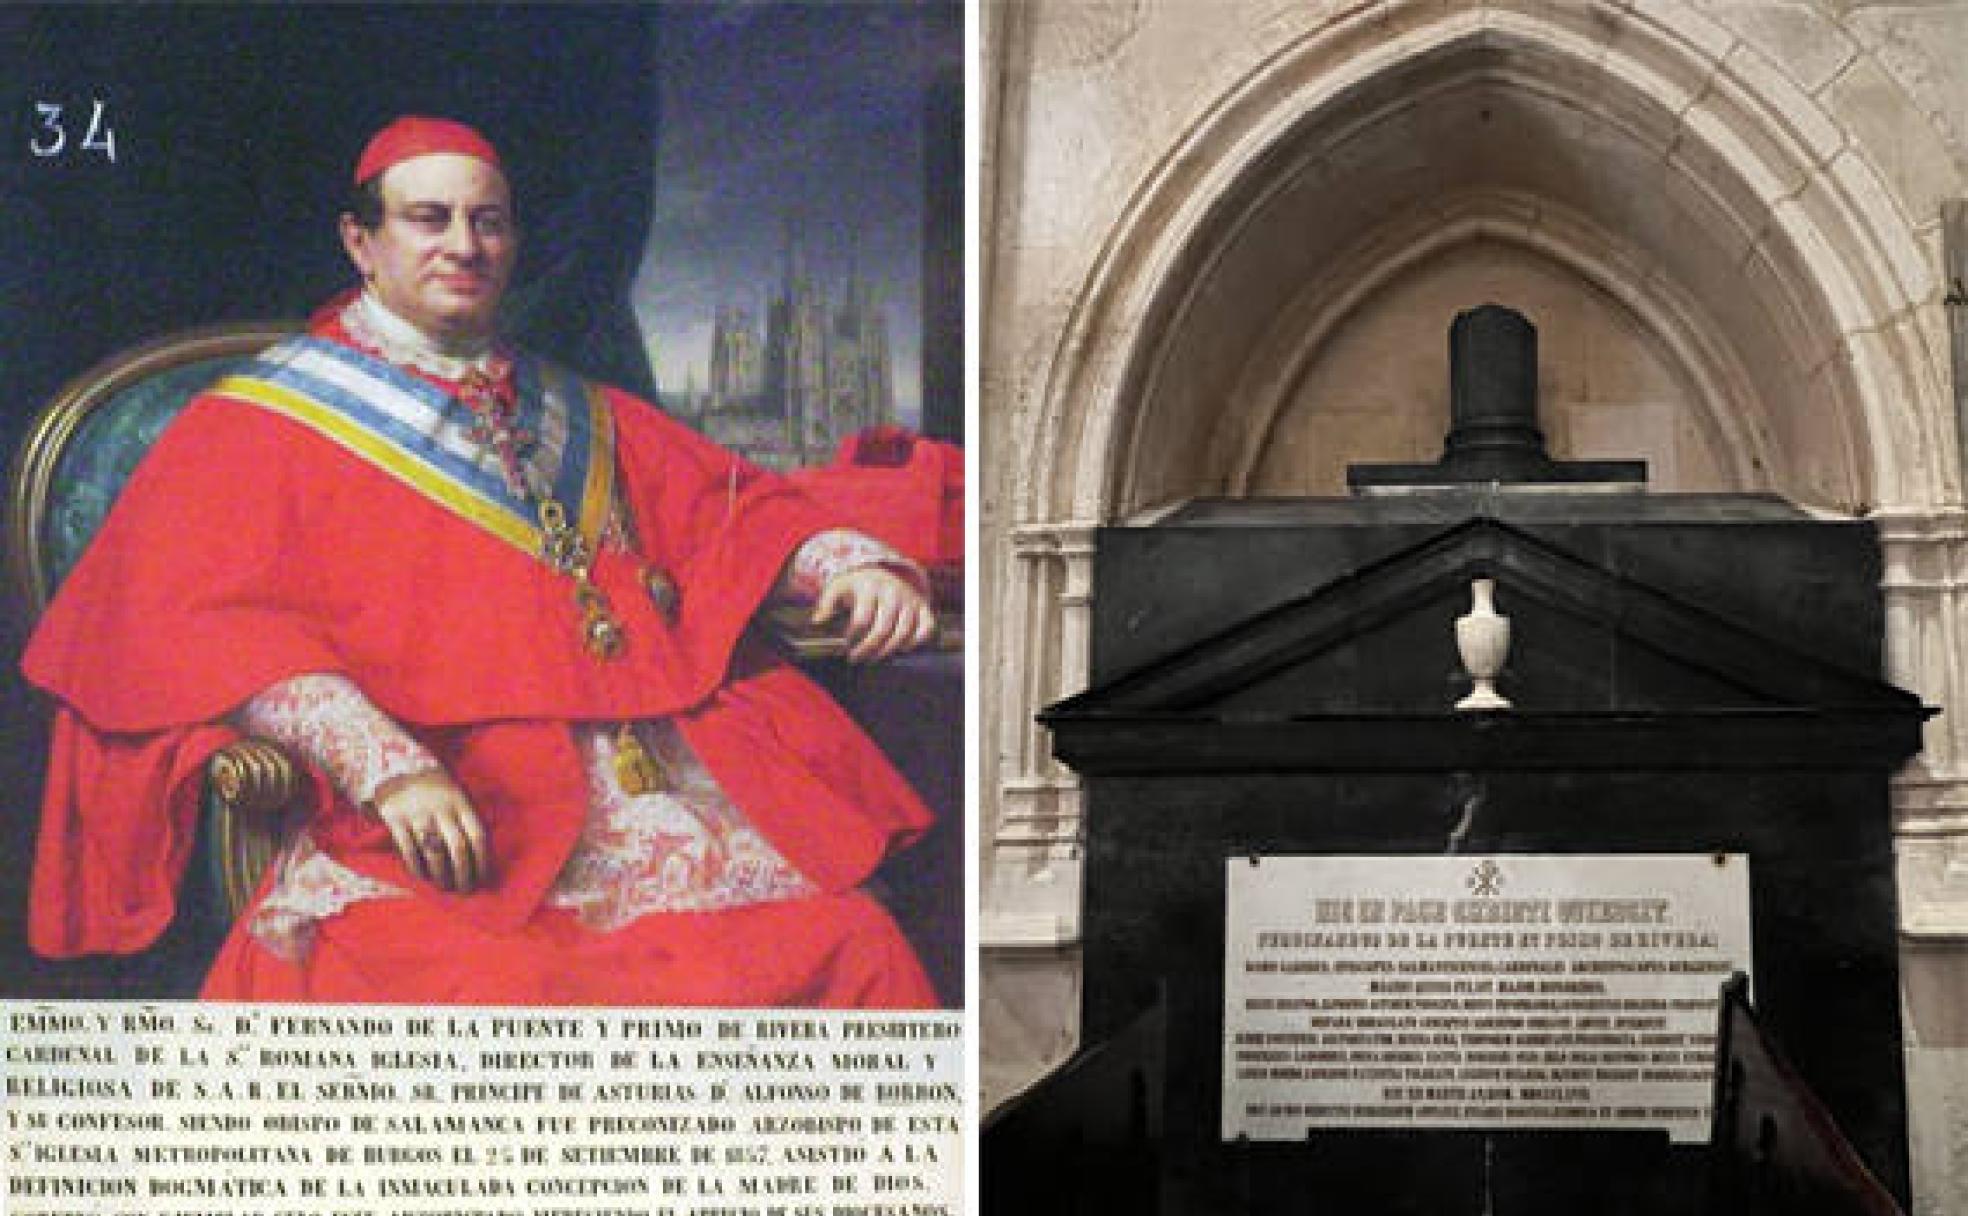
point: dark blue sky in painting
(775, 114)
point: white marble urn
(1483, 639)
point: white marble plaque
(1505, 992)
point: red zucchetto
(413, 135)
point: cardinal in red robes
(501, 615)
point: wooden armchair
(78, 453)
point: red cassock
(247, 549)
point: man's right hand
(437, 833)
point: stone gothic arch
(1718, 390)
(1641, 148)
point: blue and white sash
(421, 435)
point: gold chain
(566, 550)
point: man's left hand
(886, 614)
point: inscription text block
(1497, 992)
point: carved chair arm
(253, 777)
(250, 786)
(791, 626)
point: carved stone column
(1033, 898)
(1926, 587)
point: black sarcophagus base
(1776, 1151)
(1689, 675)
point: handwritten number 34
(52, 138)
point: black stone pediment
(1605, 671)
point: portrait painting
(492, 475)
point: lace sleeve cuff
(826, 554)
(328, 721)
